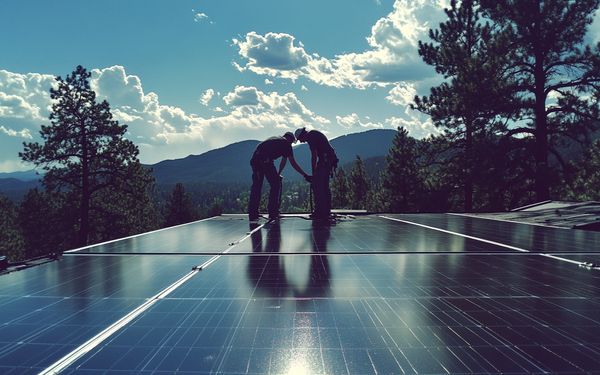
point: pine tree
(402, 182)
(586, 182)
(470, 56)
(550, 60)
(179, 207)
(339, 189)
(11, 239)
(84, 152)
(358, 184)
(43, 223)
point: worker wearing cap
(262, 166)
(323, 162)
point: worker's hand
(308, 178)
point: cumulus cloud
(24, 105)
(271, 52)
(161, 131)
(206, 96)
(164, 131)
(402, 94)
(242, 95)
(391, 58)
(25, 96)
(353, 121)
(268, 81)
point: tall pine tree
(550, 60)
(470, 56)
(11, 239)
(358, 184)
(84, 152)
(402, 182)
(179, 207)
(339, 189)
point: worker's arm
(313, 160)
(282, 164)
(296, 166)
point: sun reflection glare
(298, 367)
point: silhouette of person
(323, 163)
(319, 281)
(268, 271)
(266, 268)
(262, 166)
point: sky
(189, 76)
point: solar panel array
(369, 295)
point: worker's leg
(320, 189)
(274, 191)
(254, 201)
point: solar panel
(371, 294)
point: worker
(262, 163)
(323, 163)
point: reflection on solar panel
(369, 295)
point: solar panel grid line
(539, 239)
(521, 311)
(77, 353)
(67, 360)
(551, 256)
(232, 245)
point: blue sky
(189, 76)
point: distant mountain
(232, 163)
(29, 175)
(15, 189)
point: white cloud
(391, 58)
(163, 131)
(303, 88)
(402, 94)
(271, 52)
(206, 96)
(199, 16)
(242, 95)
(353, 121)
(24, 133)
(25, 96)
(268, 81)
(418, 126)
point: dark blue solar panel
(367, 314)
(206, 236)
(48, 310)
(363, 234)
(367, 295)
(530, 237)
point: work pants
(320, 185)
(260, 170)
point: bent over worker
(323, 162)
(262, 166)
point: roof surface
(371, 294)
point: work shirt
(318, 142)
(273, 148)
